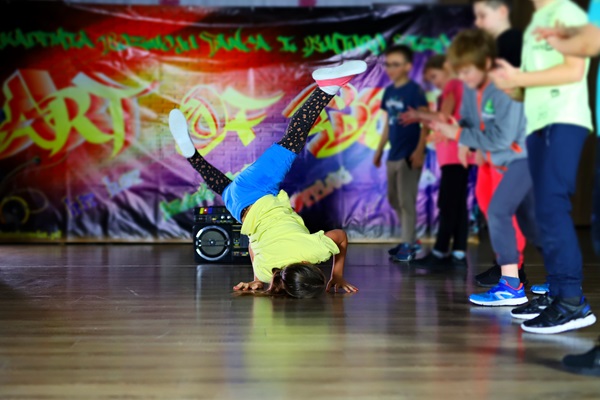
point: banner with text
(85, 151)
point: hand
(479, 158)
(409, 117)
(559, 31)
(444, 129)
(340, 283)
(505, 75)
(377, 158)
(436, 137)
(417, 158)
(245, 286)
(463, 155)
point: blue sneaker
(540, 289)
(500, 295)
(416, 246)
(406, 252)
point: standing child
(495, 124)
(407, 153)
(281, 248)
(452, 196)
(493, 16)
(554, 89)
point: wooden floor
(143, 322)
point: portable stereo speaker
(218, 237)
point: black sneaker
(432, 262)
(584, 364)
(561, 317)
(459, 262)
(533, 308)
(491, 277)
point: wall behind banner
(84, 148)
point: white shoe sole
(569, 326)
(178, 124)
(541, 292)
(524, 316)
(502, 303)
(348, 68)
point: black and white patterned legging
(294, 139)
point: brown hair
(301, 281)
(472, 46)
(436, 61)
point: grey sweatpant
(403, 187)
(512, 197)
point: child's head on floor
(471, 55)
(300, 280)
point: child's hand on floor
(341, 283)
(245, 286)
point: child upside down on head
(281, 248)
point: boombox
(218, 237)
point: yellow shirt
(546, 105)
(278, 237)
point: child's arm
(497, 135)
(417, 158)
(337, 280)
(578, 41)
(507, 77)
(254, 285)
(382, 142)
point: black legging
(294, 139)
(452, 203)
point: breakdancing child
(282, 250)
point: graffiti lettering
(126, 181)
(286, 44)
(99, 109)
(212, 114)
(423, 43)
(320, 189)
(220, 41)
(82, 203)
(351, 117)
(339, 43)
(114, 42)
(67, 40)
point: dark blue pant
(512, 197)
(554, 153)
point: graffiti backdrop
(86, 90)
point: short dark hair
(495, 3)
(401, 49)
(436, 61)
(472, 46)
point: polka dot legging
(294, 139)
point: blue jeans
(261, 178)
(554, 154)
